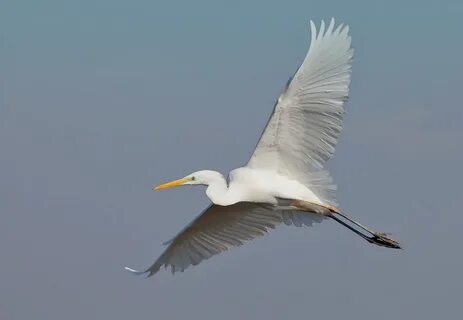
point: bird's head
(202, 177)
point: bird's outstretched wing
(220, 228)
(302, 131)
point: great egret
(284, 181)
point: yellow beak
(171, 184)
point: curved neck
(219, 192)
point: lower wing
(219, 228)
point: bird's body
(250, 185)
(285, 180)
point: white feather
(302, 131)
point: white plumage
(307, 119)
(285, 180)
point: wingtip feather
(135, 272)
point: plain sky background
(100, 100)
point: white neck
(218, 191)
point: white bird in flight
(285, 180)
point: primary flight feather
(285, 180)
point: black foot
(382, 239)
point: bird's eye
(193, 178)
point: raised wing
(302, 131)
(220, 228)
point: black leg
(349, 227)
(380, 239)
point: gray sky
(102, 99)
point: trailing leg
(378, 238)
